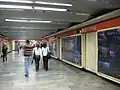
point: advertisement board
(71, 49)
(109, 52)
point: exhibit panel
(71, 49)
(53, 47)
(58, 48)
(91, 61)
(109, 52)
(52, 43)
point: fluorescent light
(28, 21)
(50, 3)
(82, 14)
(15, 6)
(92, 0)
(49, 9)
(22, 40)
(12, 20)
(41, 21)
(17, 1)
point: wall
(91, 61)
(92, 55)
(89, 44)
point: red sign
(102, 25)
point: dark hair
(45, 45)
(27, 41)
(37, 45)
(41, 45)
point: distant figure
(45, 51)
(4, 51)
(37, 52)
(17, 48)
(27, 54)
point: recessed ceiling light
(50, 9)
(50, 3)
(15, 7)
(17, 1)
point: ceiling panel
(80, 11)
(53, 16)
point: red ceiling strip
(102, 25)
(68, 33)
(91, 28)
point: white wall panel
(91, 48)
(83, 48)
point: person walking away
(4, 51)
(17, 48)
(27, 54)
(37, 52)
(45, 51)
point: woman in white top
(37, 52)
(45, 51)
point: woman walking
(37, 54)
(45, 51)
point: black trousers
(18, 50)
(45, 62)
(37, 59)
(4, 57)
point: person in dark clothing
(4, 51)
(17, 48)
(41, 45)
(33, 55)
(45, 51)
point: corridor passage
(59, 77)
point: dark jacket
(4, 49)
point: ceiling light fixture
(12, 20)
(17, 1)
(41, 21)
(50, 9)
(50, 3)
(82, 14)
(92, 0)
(28, 21)
(15, 7)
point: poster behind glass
(109, 52)
(52, 46)
(71, 49)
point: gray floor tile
(58, 77)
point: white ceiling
(80, 11)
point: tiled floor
(59, 77)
